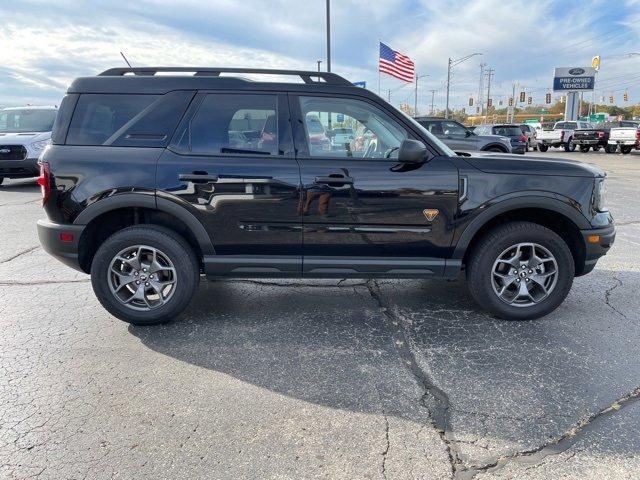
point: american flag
(395, 64)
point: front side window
(344, 127)
(453, 128)
(234, 123)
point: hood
(516, 164)
(23, 138)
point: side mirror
(412, 151)
(469, 133)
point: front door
(232, 164)
(363, 212)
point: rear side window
(98, 116)
(233, 123)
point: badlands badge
(430, 213)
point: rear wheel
(596, 148)
(625, 150)
(570, 146)
(543, 148)
(495, 149)
(145, 274)
(520, 271)
(584, 148)
(611, 148)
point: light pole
(450, 65)
(415, 103)
(433, 92)
(328, 35)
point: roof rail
(307, 76)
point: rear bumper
(19, 168)
(630, 143)
(590, 142)
(596, 250)
(66, 251)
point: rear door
(232, 164)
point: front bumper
(594, 251)
(19, 168)
(66, 251)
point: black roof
(145, 80)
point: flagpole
(379, 42)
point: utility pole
(433, 92)
(389, 95)
(481, 88)
(450, 65)
(328, 35)
(319, 62)
(489, 74)
(513, 96)
(415, 104)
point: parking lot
(319, 379)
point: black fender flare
(541, 200)
(150, 201)
(502, 148)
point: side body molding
(543, 200)
(150, 201)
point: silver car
(458, 137)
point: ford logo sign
(576, 71)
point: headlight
(598, 195)
(38, 147)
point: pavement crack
(434, 400)
(624, 224)
(42, 282)
(556, 446)
(387, 445)
(607, 295)
(19, 254)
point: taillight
(638, 135)
(600, 134)
(44, 180)
(561, 135)
(523, 138)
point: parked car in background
(341, 136)
(517, 139)
(24, 133)
(597, 136)
(458, 137)
(530, 132)
(560, 136)
(626, 137)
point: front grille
(13, 152)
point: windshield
(26, 120)
(432, 138)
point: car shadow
(343, 347)
(19, 185)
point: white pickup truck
(626, 137)
(560, 136)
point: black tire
(171, 245)
(626, 150)
(596, 148)
(495, 149)
(1, 180)
(543, 148)
(569, 146)
(498, 240)
(584, 148)
(611, 148)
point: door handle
(197, 177)
(335, 179)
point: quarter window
(234, 123)
(345, 127)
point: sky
(45, 44)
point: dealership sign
(573, 79)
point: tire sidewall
(171, 245)
(480, 274)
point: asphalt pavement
(292, 379)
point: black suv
(152, 180)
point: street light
(450, 65)
(415, 104)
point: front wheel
(584, 148)
(145, 274)
(543, 148)
(625, 150)
(520, 271)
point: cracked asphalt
(319, 379)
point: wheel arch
(109, 215)
(546, 211)
(502, 148)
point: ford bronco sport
(153, 180)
